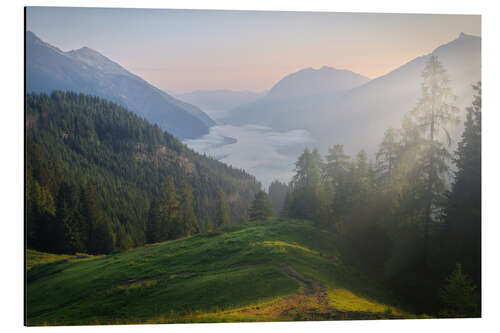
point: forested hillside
(99, 177)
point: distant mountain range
(335, 106)
(343, 107)
(291, 92)
(309, 81)
(217, 103)
(87, 71)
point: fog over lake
(261, 151)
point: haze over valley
(323, 107)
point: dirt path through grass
(311, 303)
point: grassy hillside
(265, 271)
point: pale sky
(185, 50)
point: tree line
(172, 215)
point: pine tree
(207, 224)
(277, 194)
(432, 116)
(459, 296)
(222, 211)
(188, 219)
(307, 186)
(170, 224)
(123, 239)
(337, 169)
(387, 159)
(261, 208)
(337, 165)
(103, 238)
(463, 213)
(326, 207)
(43, 211)
(362, 177)
(153, 230)
(70, 224)
(287, 210)
(100, 238)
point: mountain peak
(87, 53)
(464, 35)
(468, 37)
(464, 43)
(32, 40)
(320, 69)
(95, 59)
(310, 81)
(87, 50)
(31, 34)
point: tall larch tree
(433, 115)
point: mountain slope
(79, 140)
(261, 271)
(87, 71)
(288, 96)
(309, 81)
(382, 102)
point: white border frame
(12, 164)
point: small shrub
(459, 296)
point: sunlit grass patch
(283, 245)
(345, 300)
(34, 257)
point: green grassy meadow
(273, 270)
